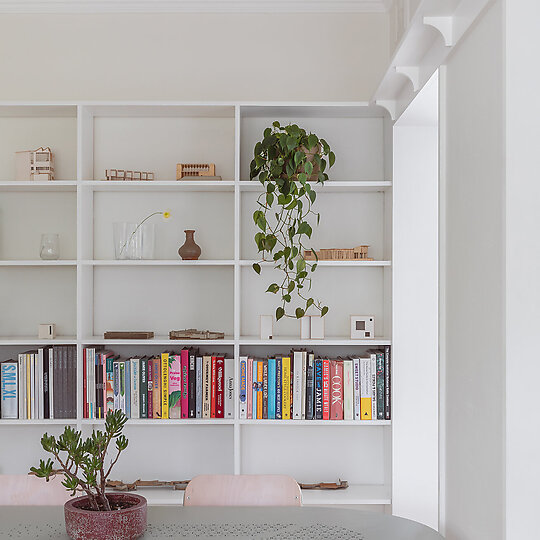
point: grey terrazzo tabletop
(230, 522)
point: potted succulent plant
(97, 515)
(286, 161)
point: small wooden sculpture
(358, 253)
(34, 164)
(196, 171)
(128, 335)
(192, 333)
(120, 174)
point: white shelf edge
(291, 423)
(378, 341)
(42, 422)
(160, 340)
(52, 185)
(38, 263)
(329, 187)
(27, 340)
(167, 422)
(359, 264)
(158, 262)
(158, 185)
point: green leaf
(267, 132)
(305, 228)
(312, 141)
(302, 177)
(279, 313)
(300, 265)
(269, 199)
(274, 288)
(331, 158)
(287, 297)
(309, 302)
(308, 168)
(324, 311)
(312, 196)
(292, 143)
(257, 268)
(276, 124)
(299, 313)
(290, 288)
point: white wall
(330, 57)
(522, 269)
(473, 180)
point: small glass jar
(49, 250)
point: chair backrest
(242, 490)
(29, 490)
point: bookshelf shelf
(337, 264)
(158, 340)
(48, 422)
(157, 262)
(39, 263)
(336, 423)
(155, 185)
(330, 186)
(29, 340)
(333, 341)
(55, 185)
(171, 422)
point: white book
(22, 386)
(41, 404)
(297, 386)
(348, 390)
(134, 394)
(229, 388)
(116, 384)
(373, 386)
(51, 383)
(9, 389)
(356, 383)
(242, 394)
(304, 379)
(365, 388)
(32, 386)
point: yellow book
(164, 385)
(28, 388)
(259, 390)
(365, 388)
(286, 388)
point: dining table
(40, 522)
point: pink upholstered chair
(29, 490)
(242, 490)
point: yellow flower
(166, 214)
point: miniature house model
(34, 164)
(359, 253)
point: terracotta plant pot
(190, 251)
(122, 524)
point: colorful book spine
(380, 386)
(116, 387)
(297, 386)
(260, 365)
(150, 379)
(365, 388)
(356, 388)
(254, 390)
(39, 385)
(318, 389)
(229, 388)
(310, 387)
(51, 383)
(127, 386)
(243, 387)
(304, 383)
(249, 388)
(135, 388)
(271, 388)
(175, 386)
(265, 389)
(213, 388)
(220, 387)
(286, 387)
(207, 383)
(46, 381)
(164, 385)
(326, 389)
(336, 390)
(185, 382)
(373, 381)
(279, 383)
(144, 387)
(156, 387)
(122, 389)
(9, 384)
(348, 390)
(192, 380)
(387, 383)
(109, 383)
(85, 386)
(199, 388)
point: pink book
(249, 388)
(175, 386)
(103, 360)
(185, 383)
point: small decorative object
(267, 326)
(362, 326)
(49, 250)
(47, 331)
(305, 327)
(135, 241)
(128, 335)
(317, 327)
(284, 162)
(34, 164)
(118, 485)
(196, 171)
(120, 174)
(340, 484)
(358, 253)
(189, 251)
(192, 333)
(97, 515)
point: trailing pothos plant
(285, 162)
(83, 462)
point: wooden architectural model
(359, 253)
(34, 164)
(202, 171)
(120, 174)
(192, 333)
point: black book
(143, 386)
(279, 396)
(46, 412)
(387, 383)
(310, 371)
(192, 382)
(265, 390)
(318, 390)
(97, 389)
(72, 381)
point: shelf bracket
(389, 104)
(412, 73)
(445, 26)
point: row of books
(40, 384)
(302, 387)
(170, 385)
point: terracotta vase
(190, 251)
(125, 524)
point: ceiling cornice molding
(194, 6)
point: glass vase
(49, 250)
(132, 242)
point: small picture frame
(362, 326)
(47, 331)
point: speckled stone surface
(125, 524)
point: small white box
(47, 331)
(317, 327)
(362, 326)
(267, 326)
(305, 327)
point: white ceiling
(192, 6)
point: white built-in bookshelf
(87, 291)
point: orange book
(259, 388)
(156, 389)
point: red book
(184, 355)
(336, 390)
(326, 389)
(85, 397)
(220, 381)
(150, 389)
(104, 383)
(214, 388)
